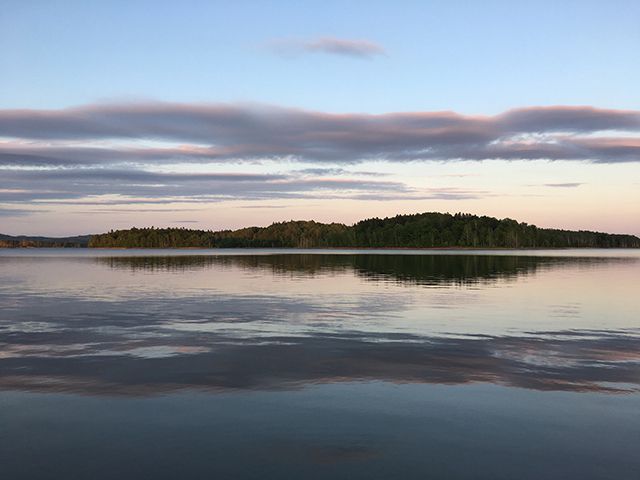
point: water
(372, 364)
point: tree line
(7, 241)
(425, 230)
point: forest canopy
(424, 230)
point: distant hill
(425, 230)
(22, 241)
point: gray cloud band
(46, 185)
(222, 133)
(328, 45)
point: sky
(229, 114)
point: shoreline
(322, 248)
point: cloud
(17, 212)
(138, 210)
(329, 45)
(444, 193)
(563, 185)
(85, 153)
(337, 171)
(252, 207)
(142, 186)
(235, 133)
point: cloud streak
(329, 45)
(564, 185)
(232, 133)
(17, 212)
(141, 186)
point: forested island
(425, 230)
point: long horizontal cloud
(17, 212)
(137, 186)
(224, 132)
(563, 185)
(330, 45)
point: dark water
(184, 365)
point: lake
(267, 364)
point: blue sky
(477, 59)
(470, 57)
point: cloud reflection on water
(224, 342)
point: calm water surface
(262, 364)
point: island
(423, 230)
